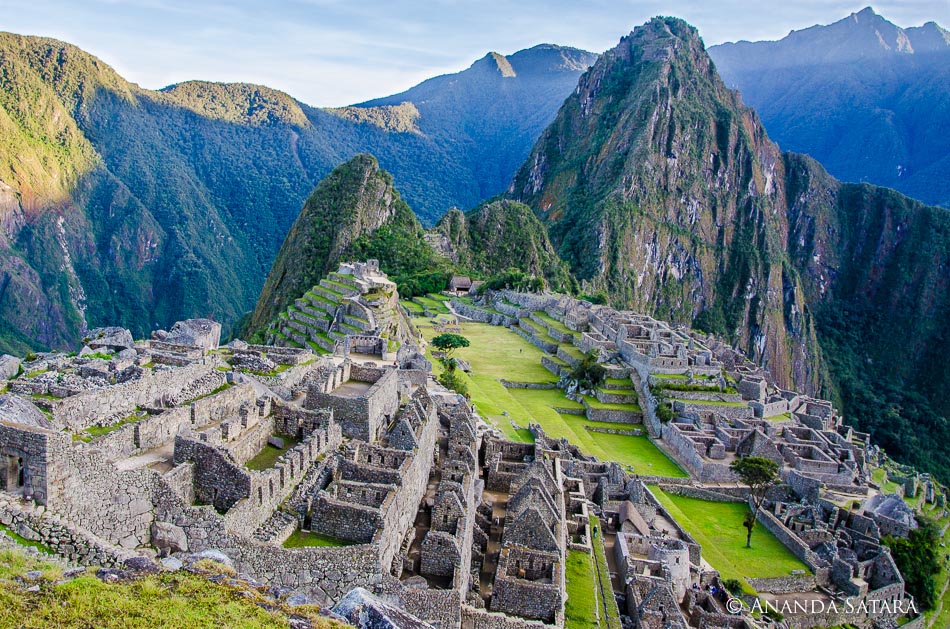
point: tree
(448, 343)
(588, 374)
(758, 474)
(918, 558)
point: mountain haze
(866, 98)
(126, 206)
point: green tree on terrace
(447, 344)
(758, 474)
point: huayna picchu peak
(562, 340)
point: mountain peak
(495, 62)
(860, 36)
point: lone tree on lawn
(448, 343)
(758, 473)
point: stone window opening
(260, 495)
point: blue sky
(337, 52)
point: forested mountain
(660, 186)
(127, 206)
(866, 98)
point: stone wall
(474, 618)
(789, 539)
(109, 404)
(31, 446)
(87, 490)
(785, 585)
(481, 315)
(65, 540)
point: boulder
(277, 442)
(363, 610)
(237, 344)
(112, 338)
(203, 333)
(18, 410)
(172, 563)
(141, 565)
(169, 538)
(213, 555)
(9, 367)
(128, 354)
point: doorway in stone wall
(13, 473)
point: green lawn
(496, 352)
(303, 539)
(411, 306)
(717, 526)
(434, 305)
(267, 457)
(580, 609)
(551, 321)
(612, 614)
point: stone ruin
(176, 445)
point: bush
(452, 379)
(733, 586)
(918, 558)
(664, 413)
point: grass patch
(305, 539)
(411, 306)
(94, 432)
(783, 417)
(496, 352)
(552, 322)
(612, 620)
(161, 601)
(266, 458)
(580, 609)
(717, 526)
(22, 541)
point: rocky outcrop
(366, 611)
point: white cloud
(334, 52)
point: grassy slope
(495, 353)
(163, 601)
(717, 526)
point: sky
(340, 52)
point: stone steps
(329, 294)
(339, 289)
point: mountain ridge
(660, 187)
(866, 98)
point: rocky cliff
(658, 185)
